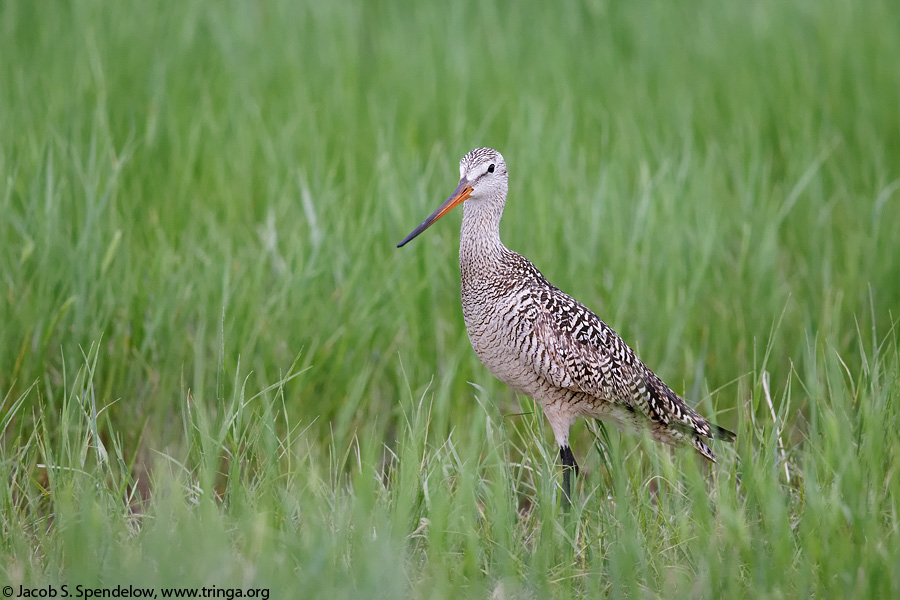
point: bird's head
(483, 180)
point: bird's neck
(479, 241)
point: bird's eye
(491, 169)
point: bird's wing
(575, 349)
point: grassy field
(216, 369)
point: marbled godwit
(544, 343)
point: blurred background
(202, 304)
(191, 185)
(201, 198)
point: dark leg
(569, 466)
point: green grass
(217, 369)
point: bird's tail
(720, 433)
(716, 432)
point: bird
(543, 343)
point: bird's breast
(493, 318)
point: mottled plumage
(547, 345)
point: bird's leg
(569, 466)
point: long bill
(463, 191)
